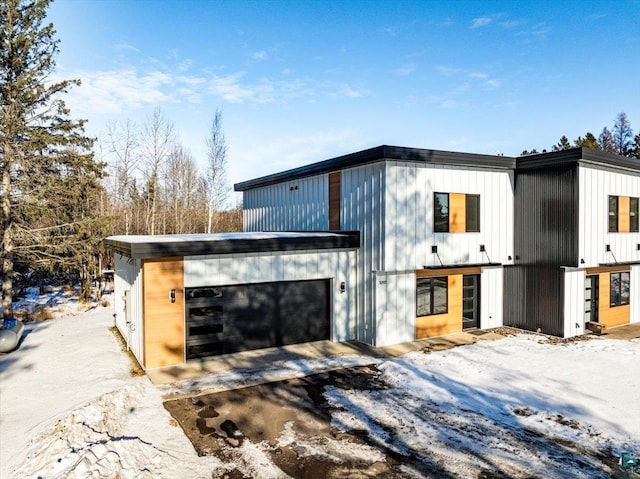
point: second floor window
(623, 214)
(456, 213)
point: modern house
(577, 242)
(389, 245)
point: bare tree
(157, 142)
(215, 179)
(181, 180)
(623, 139)
(123, 142)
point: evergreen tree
(606, 141)
(589, 141)
(563, 144)
(49, 179)
(623, 139)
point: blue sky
(303, 81)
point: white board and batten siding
(128, 277)
(297, 205)
(574, 302)
(491, 297)
(596, 185)
(395, 307)
(245, 268)
(362, 192)
(409, 233)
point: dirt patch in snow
(291, 421)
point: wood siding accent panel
(607, 315)
(607, 269)
(163, 320)
(624, 225)
(427, 273)
(334, 200)
(441, 324)
(457, 213)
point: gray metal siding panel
(546, 238)
(534, 298)
(546, 217)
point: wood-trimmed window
(432, 295)
(613, 214)
(456, 213)
(623, 214)
(620, 284)
(634, 215)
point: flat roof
(380, 153)
(164, 246)
(574, 156)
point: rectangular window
(441, 212)
(634, 215)
(472, 213)
(613, 214)
(620, 288)
(456, 213)
(431, 295)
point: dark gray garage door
(228, 319)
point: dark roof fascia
(160, 249)
(380, 153)
(575, 156)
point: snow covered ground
(69, 408)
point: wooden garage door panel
(163, 320)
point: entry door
(470, 301)
(591, 298)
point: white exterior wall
(409, 231)
(362, 209)
(128, 277)
(299, 205)
(395, 307)
(337, 265)
(596, 185)
(635, 294)
(491, 291)
(574, 302)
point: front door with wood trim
(470, 301)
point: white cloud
(405, 69)
(481, 22)
(126, 47)
(260, 55)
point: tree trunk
(7, 240)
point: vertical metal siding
(409, 205)
(596, 184)
(395, 307)
(128, 276)
(363, 209)
(300, 205)
(491, 293)
(546, 238)
(337, 265)
(574, 302)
